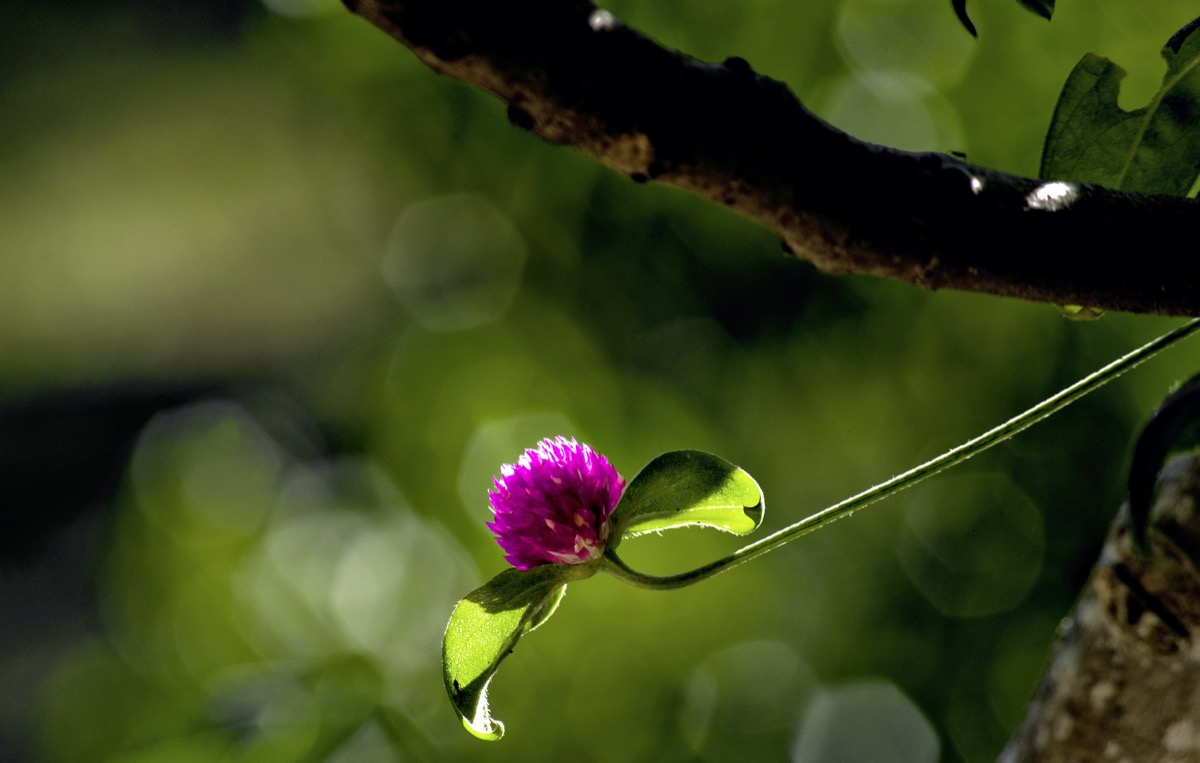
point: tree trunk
(1124, 682)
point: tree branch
(1124, 683)
(576, 76)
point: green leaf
(1043, 8)
(688, 487)
(1173, 430)
(960, 10)
(1155, 149)
(486, 625)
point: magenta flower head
(553, 505)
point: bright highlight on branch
(1052, 197)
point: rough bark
(1124, 683)
(576, 76)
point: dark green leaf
(486, 625)
(1155, 149)
(1043, 8)
(1174, 429)
(960, 10)
(688, 487)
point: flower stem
(613, 565)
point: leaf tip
(489, 729)
(960, 10)
(1043, 8)
(1176, 42)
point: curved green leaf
(960, 10)
(688, 487)
(486, 625)
(1043, 8)
(1155, 149)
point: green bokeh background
(276, 302)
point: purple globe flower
(552, 506)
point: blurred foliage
(351, 290)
